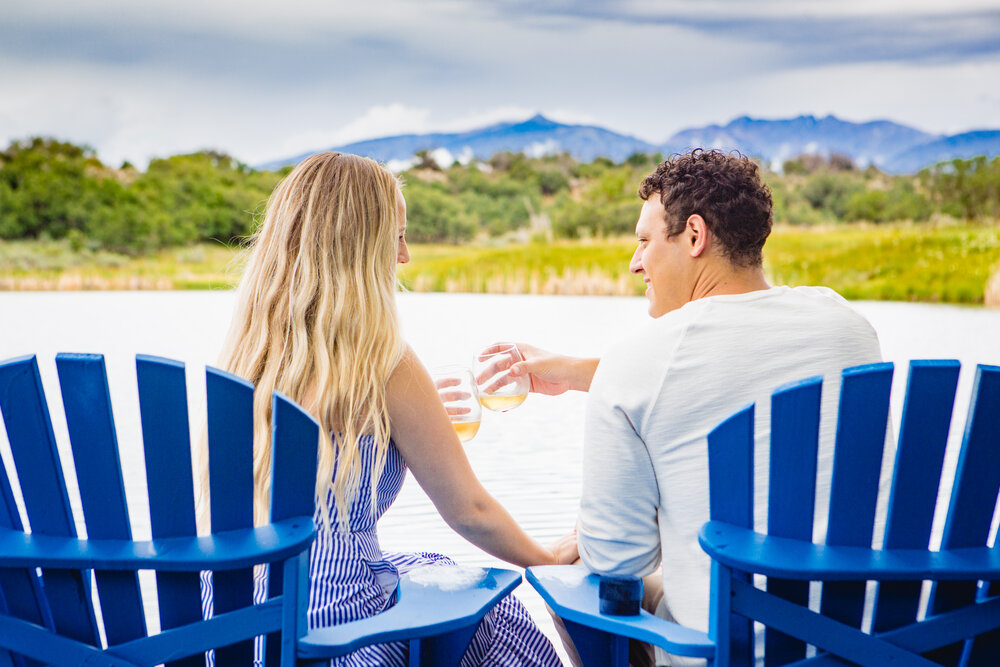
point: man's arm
(554, 374)
(617, 530)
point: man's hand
(553, 374)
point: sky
(263, 81)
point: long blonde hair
(316, 318)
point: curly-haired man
(721, 337)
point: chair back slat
(39, 472)
(230, 470)
(167, 449)
(295, 438)
(862, 419)
(87, 404)
(794, 438)
(792, 493)
(730, 469)
(923, 435)
(973, 494)
(21, 593)
(730, 489)
(294, 450)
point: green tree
(432, 216)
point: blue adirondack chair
(959, 624)
(69, 600)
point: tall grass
(885, 262)
(54, 265)
(893, 262)
(888, 263)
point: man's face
(663, 262)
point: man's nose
(635, 266)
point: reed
(909, 262)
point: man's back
(656, 396)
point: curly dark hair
(724, 189)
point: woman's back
(349, 576)
(316, 319)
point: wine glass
(498, 390)
(458, 392)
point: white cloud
(542, 148)
(268, 81)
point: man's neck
(714, 281)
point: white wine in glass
(460, 397)
(498, 390)
(502, 403)
(466, 430)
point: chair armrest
(225, 550)
(743, 549)
(422, 610)
(572, 592)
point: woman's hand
(429, 445)
(450, 396)
(564, 550)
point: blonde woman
(316, 319)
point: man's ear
(698, 234)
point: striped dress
(351, 578)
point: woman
(316, 319)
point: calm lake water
(528, 458)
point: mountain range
(890, 146)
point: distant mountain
(890, 146)
(536, 136)
(965, 145)
(775, 141)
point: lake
(528, 458)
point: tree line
(56, 190)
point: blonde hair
(316, 319)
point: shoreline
(894, 262)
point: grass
(50, 265)
(947, 263)
(889, 263)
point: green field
(884, 262)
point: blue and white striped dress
(350, 578)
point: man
(721, 337)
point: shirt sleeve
(617, 531)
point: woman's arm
(432, 451)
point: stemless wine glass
(498, 390)
(458, 392)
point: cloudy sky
(262, 81)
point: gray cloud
(265, 80)
(801, 39)
(213, 51)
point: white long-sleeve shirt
(654, 399)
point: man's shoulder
(827, 300)
(778, 304)
(646, 350)
(818, 294)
